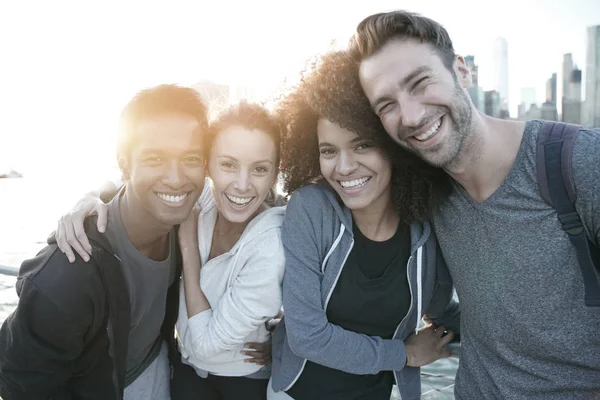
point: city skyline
(563, 90)
(69, 67)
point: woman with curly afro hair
(362, 263)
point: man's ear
(462, 73)
(124, 167)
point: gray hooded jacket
(317, 238)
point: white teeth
(432, 131)
(239, 200)
(172, 199)
(354, 183)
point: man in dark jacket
(103, 329)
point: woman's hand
(70, 234)
(427, 346)
(258, 353)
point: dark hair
(331, 90)
(252, 117)
(148, 103)
(376, 30)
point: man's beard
(448, 152)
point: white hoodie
(243, 288)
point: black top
(371, 297)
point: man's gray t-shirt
(148, 282)
(525, 330)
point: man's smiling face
(421, 103)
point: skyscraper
(575, 85)
(567, 73)
(590, 116)
(548, 112)
(571, 106)
(501, 70)
(475, 92)
(492, 103)
(551, 89)
(477, 95)
(470, 61)
(548, 109)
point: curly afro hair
(331, 89)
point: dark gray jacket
(56, 344)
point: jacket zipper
(331, 292)
(336, 243)
(409, 308)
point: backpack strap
(172, 309)
(117, 296)
(561, 137)
(555, 179)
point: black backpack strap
(117, 296)
(172, 309)
(555, 178)
(563, 135)
(119, 305)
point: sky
(68, 67)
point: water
(29, 212)
(8, 296)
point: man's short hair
(158, 100)
(375, 31)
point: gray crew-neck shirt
(148, 282)
(525, 330)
